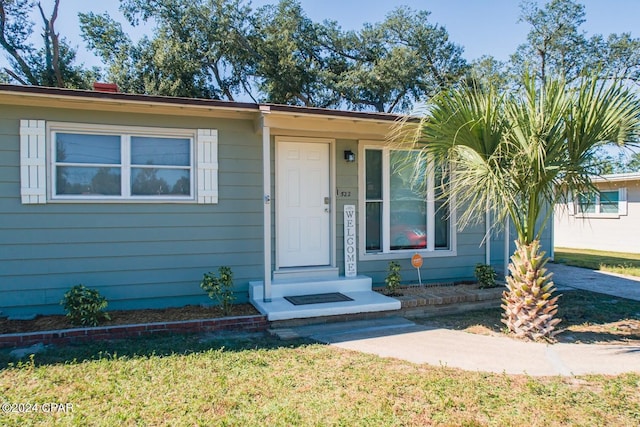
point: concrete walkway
(565, 276)
(402, 339)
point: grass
(255, 380)
(614, 262)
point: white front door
(303, 204)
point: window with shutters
(103, 163)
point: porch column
(487, 236)
(266, 180)
(507, 252)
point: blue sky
(481, 26)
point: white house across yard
(607, 220)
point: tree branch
(15, 76)
(11, 50)
(55, 41)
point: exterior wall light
(349, 156)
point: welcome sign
(350, 268)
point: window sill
(598, 216)
(130, 201)
(406, 255)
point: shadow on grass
(587, 317)
(160, 345)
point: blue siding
(139, 255)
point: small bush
(486, 276)
(84, 306)
(393, 278)
(220, 288)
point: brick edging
(65, 336)
(460, 296)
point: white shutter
(622, 201)
(33, 179)
(207, 166)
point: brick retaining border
(65, 336)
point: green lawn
(615, 262)
(258, 381)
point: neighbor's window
(119, 165)
(396, 208)
(602, 202)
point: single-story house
(138, 196)
(608, 220)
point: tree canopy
(53, 64)
(225, 49)
(558, 47)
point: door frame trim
(332, 191)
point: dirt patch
(125, 317)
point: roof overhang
(73, 99)
(281, 119)
(618, 177)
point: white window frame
(386, 253)
(622, 206)
(125, 133)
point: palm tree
(518, 154)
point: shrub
(84, 306)
(220, 288)
(486, 276)
(393, 278)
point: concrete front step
(358, 288)
(287, 288)
(363, 302)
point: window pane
(441, 181)
(609, 202)
(587, 204)
(442, 225)
(373, 163)
(408, 208)
(88, 180)
(81, 148)
(160, 182)
(160, 151)
(373, 227)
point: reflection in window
(602, 202)
(88, 180)
(160, 151)
(93, 164)
(609, 201)
(396, 206)
(587, 203)
(151, 181)
(407, 202)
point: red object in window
(105, 87)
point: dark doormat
(317, 298)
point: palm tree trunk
(528, 305)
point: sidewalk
(402, 339)
(595, 281)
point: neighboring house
(608, 220)
(138, 196)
